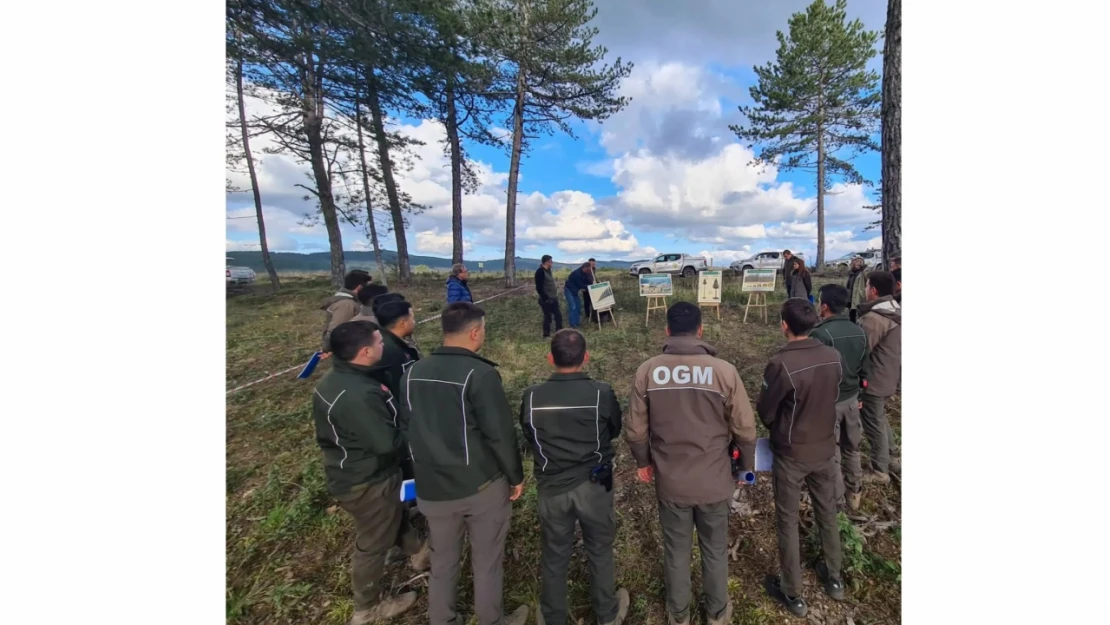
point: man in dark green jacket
(549, 296)
(468, 469)
(838, 332)
(356, 428)
(398, 324)
(570, 421)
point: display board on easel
(757, 283)
(656, 287)
(710, 285)
(601, 296)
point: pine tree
(817, 105)
(558, 75)
(892, 134)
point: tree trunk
(456, 175)
(376, 120)
(820, 197)
(266, 260)
(892, 134)
(371, 225)
(313, 121)
(514, 160)
(514, 173)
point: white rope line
(301, 366)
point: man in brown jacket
(881, 319)
(686, 407)
(344, 305)
(798, 405)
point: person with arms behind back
(357, 432)
(839, 333)
(687, 405)
(549, 296)
(881, 319)
(468, 469)
(570, 420)
(798, 406)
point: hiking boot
(622, 609)
(854, 501)
(833, 587)
(896, 465)
(671, 620)
(724, 619)
(387, 609)
(393, 556)
(518, 617)
(421, 560)
(795, 605)
(874, 477)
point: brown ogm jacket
(881, 320)
(798, 401)
(686, 406)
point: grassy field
(288, 547)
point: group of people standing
(575, 291)
(385, 413)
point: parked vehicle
(239, 275)
(872, 260)
(684, 264)
(762, 260)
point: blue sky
(665, 174)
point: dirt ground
(288, 547)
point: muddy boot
(874, 477)
(725, 618)
(854, 501)
(422, 560)
(518, 617)
(671, 620)
(622, 609)
(387, 609)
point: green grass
(288, 548)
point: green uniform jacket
(397, 355)
(850, 340)
(570, 420)
(356, 428)
(459, 425)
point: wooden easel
(612, 316)
(716, 305)
(756, 300)
(653, 304)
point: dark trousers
(381, 521)
(848, 434)
(485, 516)
(852, 314)
(678, 522)
(587, 305)
(551, 311)
(787, 476)
(877, 428)
(592, 508)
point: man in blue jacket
(579, 280)
(457, 290)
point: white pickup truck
(684, 264)
(239, 275)
(762, 260)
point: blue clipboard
(408, 490)
(309, 367)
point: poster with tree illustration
(710, 286)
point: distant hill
(321, 262)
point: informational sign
(601, 294)
(710, 285)
(758, 281)
(656, 285)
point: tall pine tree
(817, 105)
(892, 133)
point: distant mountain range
(321, 262)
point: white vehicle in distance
(872, 260)
(762, 260)
(239, 275)
(683, 264)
